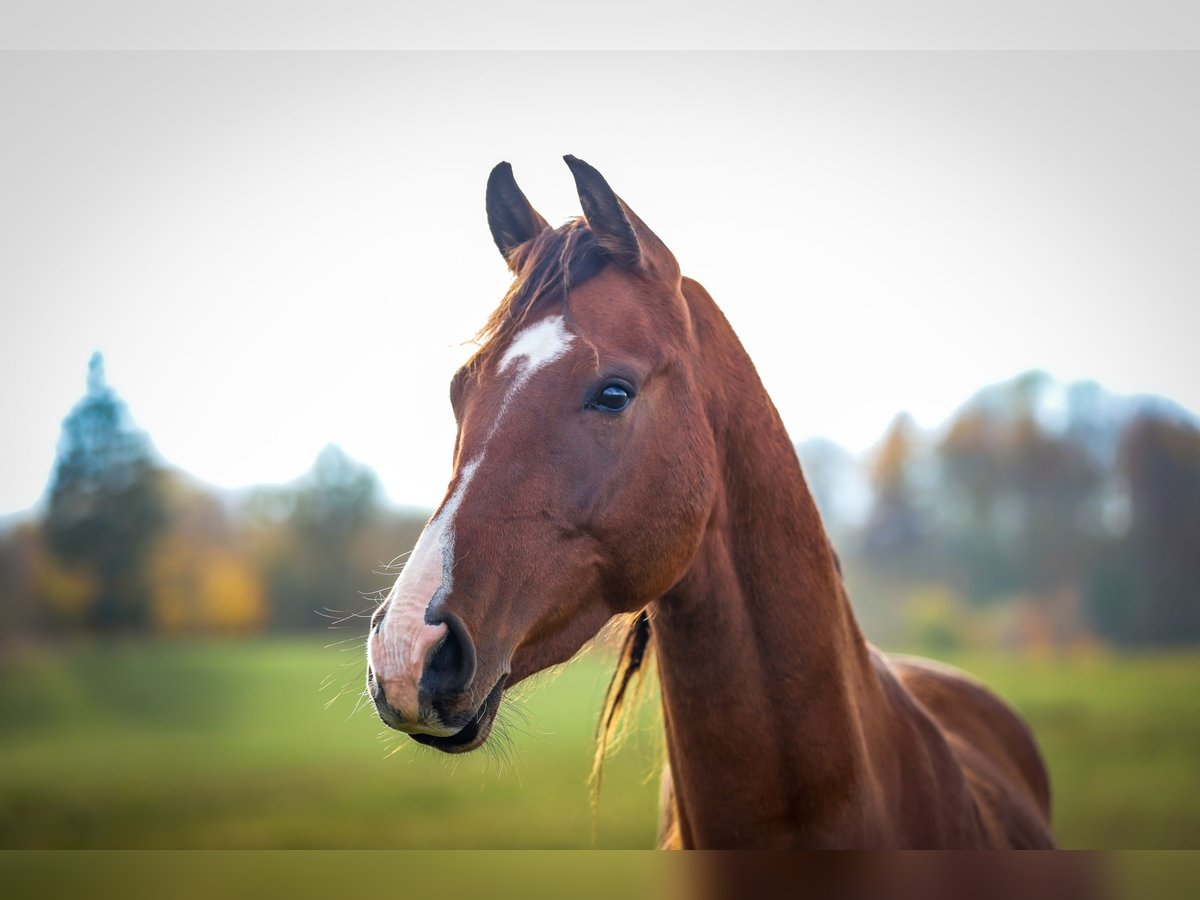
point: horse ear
(512, 219)
(607, 215)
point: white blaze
(539, 344)
(404, 636)
(397, 655)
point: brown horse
(617, 453)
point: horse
(617, 455)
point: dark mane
(546, 267)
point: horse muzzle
(420, 675)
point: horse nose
(418, 666)
(451, 666)
(398, 652)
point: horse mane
(635, 651)
(546, 268)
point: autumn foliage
(1040, 515)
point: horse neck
(766, 677)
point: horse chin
(472, 735)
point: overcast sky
(275, 252)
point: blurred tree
(338, 497)
(315, 561)
(1149, 588)
(17, 615)
(201, 577)
(1054, 481)
(893, 536)
(1018, 498)
(106, 506)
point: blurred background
(235, 287)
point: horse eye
(612, 398)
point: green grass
(1121, 737)
(230, 744)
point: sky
(276, 251)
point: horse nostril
(452, 666)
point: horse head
(584, 468)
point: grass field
(230, 744)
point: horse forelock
(547, 268)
